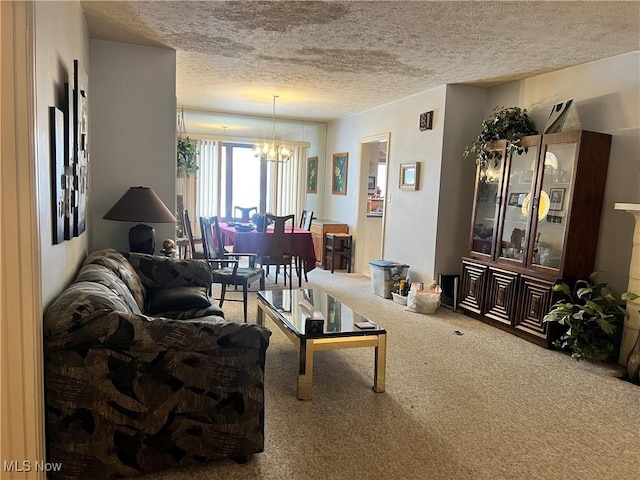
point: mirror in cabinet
(486, 204)
(555, 194)
(516, 211)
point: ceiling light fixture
(270, 151)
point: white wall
(132, 134)
(606, 98)
(464, 111)
(412, 217)
(317, 136)
(61, 37)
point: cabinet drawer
(534, 300)
(472, 286)
(501, 295)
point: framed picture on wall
(409, 173)
(371, 183)
(58, 178)
(312, 175)
(339, 175)
(80, 150)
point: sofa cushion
(118, 264)
(176, 298)
(77, 303)
(100, 274)
(156, 271)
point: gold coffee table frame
(349, 338)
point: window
(229, 175)
(242, 174)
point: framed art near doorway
(409, 173)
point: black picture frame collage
(69, 157)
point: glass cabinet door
(487, 202)
(553, 204)
(517, 201)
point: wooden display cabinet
(536, 217)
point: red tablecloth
(299, 243)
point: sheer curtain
(289, 185)
(186, 187)
(208, 178)
(200, 191)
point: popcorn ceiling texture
(331, 59)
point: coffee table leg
(260, 316)
(305, 370)
(381, 364)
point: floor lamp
(141, 204)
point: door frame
(21, 344)
(361, 227)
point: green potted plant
(593, 318)
(510, 124)
(187, 164)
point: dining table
(299, 243)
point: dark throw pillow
(177, 299)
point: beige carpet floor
(463, 400)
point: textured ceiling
(331, 59)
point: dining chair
(194, 242)
(278, 254)
(225, 267)
(245, 213)
(306, 217)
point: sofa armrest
(126, 331)
(164, 272)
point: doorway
(372, 200)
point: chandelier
(270, 151)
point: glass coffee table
(292, 311)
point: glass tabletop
(293, 307)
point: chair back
(245, 213)
(305, 219)
(187, 229)
(279, 253)
(211, 238)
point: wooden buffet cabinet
(536, 217)
(318, 230)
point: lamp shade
(140, 204)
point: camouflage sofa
(142, 373)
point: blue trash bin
(384, 273)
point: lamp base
(142, 239)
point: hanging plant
(187, 164)
(510, 124)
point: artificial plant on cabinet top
(510, 124)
